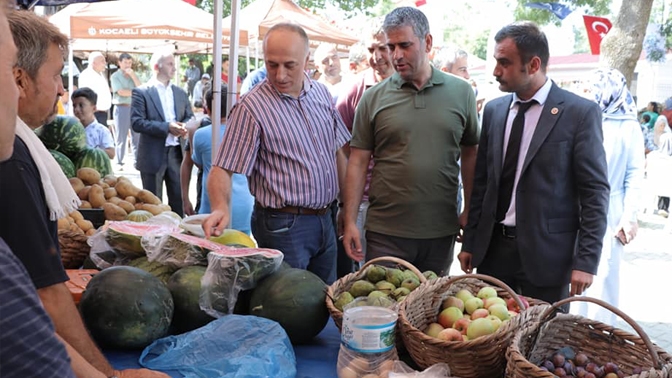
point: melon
(126, 308)
(64, 134)
(295, 298)
(94, 158)
(156, 269)
(139, 216)
(125, 237)
(233, 238)
(67, 166)
(185, 286)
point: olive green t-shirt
(415, 137)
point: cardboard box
(79, 279)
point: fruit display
(382, 285)
(64, 134)
(465, 316)
(295, 298)
(156, 269)
(126, 308)
(566, 362)
(94, 158)
(67, 166)
(185, 286)
(75, 222)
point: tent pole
(71, 78)
(247, 58)
(215, 112)
(233, 55)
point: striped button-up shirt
(287, 146)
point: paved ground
(646, 288)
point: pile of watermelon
(66, 140)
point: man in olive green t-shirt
(416, 124)
(123, 81)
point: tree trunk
(622, 46)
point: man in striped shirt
(287, 137)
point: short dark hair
(529, 40)
(125, 56)
(646, 118)
(87, 93)
(209, 97)
(225, 59)
(655, 106)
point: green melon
(67, 166)
(139, 216)
(125, 236)
(295, 298)
(185, 286)
(156, 269)
(64, 134)
(126, 308)
(94, 158)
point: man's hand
(215, 223)
(465, 262)
(351, 242)
(177, 129)
(626, 232)
(580, 282)
(140, 373)
(463, 218)
(128, 71)
(340, 223)
(187, 207)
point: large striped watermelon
(67, 166)
(94, 158)
(64, 134)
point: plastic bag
(234, 346)
(401, 370)
(179, 250)
(231, 270)
(354, 364)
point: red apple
(433, 329)
(450, 334)
(449, 316)
(480, 313)
(452, 302)
(513, 306)
(462, 325)
(492, 301)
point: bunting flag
(597, 28)
(559, 10)
(420, 2)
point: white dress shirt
(168, 107)
(89, 78)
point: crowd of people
(542, 186)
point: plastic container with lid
(369, 329)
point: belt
(122, 104)
(294, 210)
(507, 231)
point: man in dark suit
(159, 111)
(539, 203)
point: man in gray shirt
(123, 82)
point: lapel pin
(554, 111)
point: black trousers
(101, 117)
(502, 261)
(170, 173)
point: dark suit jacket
(147, 118)
(562, 194)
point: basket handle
(399, 261)
(491, 280)
(544, 317)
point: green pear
(409, 274)
(394, 276)
(429, 275)
(385, 287)
(410, 283)
(400, 292)
(343, 299)
(377, 294)
(375, 273)
(361, 288)
(380, 301)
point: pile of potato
(75, 222)
(117, 196)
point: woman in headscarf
(624, 147)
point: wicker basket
(600, 342)
(484, 357)
(74, 248)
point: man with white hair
(329, 64)
(159, 111)
(93, 77)
(452, 60)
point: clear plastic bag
(352, 364)
(179, 250)
(230, 347)
(401, 370)
(231, 270)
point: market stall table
(316, 359)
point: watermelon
(295, 298)
(185, 286)
(126, 308)
(64, 134)
(67, 166)
(94, 158)
(156, 269)
(125, 237)
(139, 216)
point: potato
(115, 200)
(109, 193)
(85, 205)
(131, 200)
(96, 196)
(83, 194)
(88, 175)
(165, 207)
(84, 224)
(63, 224)
(110, 180)
(125, 188)
(76, 184)
(148, 197)
(90, 232)
(138, 205)
(114, 212)
(76, 215)
(103, 184)
(126, 206)
(75, 228)
(154, 209)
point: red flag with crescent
(597, 28)
(420, 3)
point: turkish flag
(597, 28)
(420, 2)
(192, 2)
